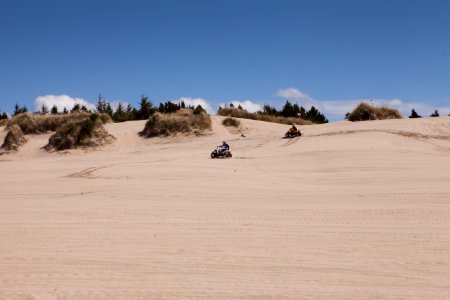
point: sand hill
(347, 211)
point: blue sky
(331, 54)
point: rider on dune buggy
(222, 151)
(293, 129)
(292, 132)
(224, 146)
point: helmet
(224, 142)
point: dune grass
(183, 121)
(35, 123)
(74, 130)
(80, 133)
(364, 112)
(231, 122)
(13, 139)
(239, 113)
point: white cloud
(338, 108)
(115, 104)
(292, 94)
(68, 102)
(247, 105)
(61, 102)
(194, 102)
(395, 102)
(299, 97)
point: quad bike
(292, 133)
(221, 152)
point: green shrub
(364, 112)
(182, 121)
(231, 122)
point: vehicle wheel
(213, 155)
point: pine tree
(16, 109)
(54, 110)
(161, 108)
(76, 108)
(315, 116)
(44, 109)
(302, 112)
(414, 114)
(101, 106)
(119, 115)
(146, 108)
(435, 114)
(130, 113)
(198, 110)
(109, 109)
(19, 110)
(296, 110)
(288, 110)
(269, 110)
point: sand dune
(347, 211)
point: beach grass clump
(35, 123)
(243, 114)
(182, 121)
(365, 112)
(74, 130)
(80, 133)
(231, 122)
(13, 139)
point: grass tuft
(231, 122)
(14, 139)
(33, 123)
(182, 121)
(239, 113)
(80, 133)
(81, 129)
(364, 112)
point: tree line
(121, 113)
(290, 110)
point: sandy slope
(348, 211)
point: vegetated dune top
(349, 210)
